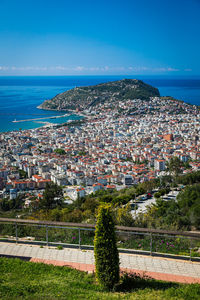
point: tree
(157, 195)
(11, 204)
(123, 216)
(105, 249)
(23, 174)
(52, 197)
(60, 151)
(174, 166)
(4, 204)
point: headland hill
(104, 94)
(122, 97)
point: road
(142, 205)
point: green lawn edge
(27, 280)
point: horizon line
(105, 75)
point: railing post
(16, 235)
(151, 242)
(47, 238)
(79, 238)
(190, 249)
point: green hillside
(111, 92)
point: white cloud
(94, 68)
(172, 70)
(3, 68)
(83, 69)
(79, 68)
(27, 68)
(163, 69)
(138, 68)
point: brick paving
(155, 267)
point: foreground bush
(105, 249)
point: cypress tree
(105, 249)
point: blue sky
(83, 37)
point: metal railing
(132, 239)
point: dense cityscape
(104, 150)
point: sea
(20, 95)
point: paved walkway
(155, 267)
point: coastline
(72, 112)
(20, 97)
(78, 116)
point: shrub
(105, 249)
(60, 247)
(157, 195)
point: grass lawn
(25, 280)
